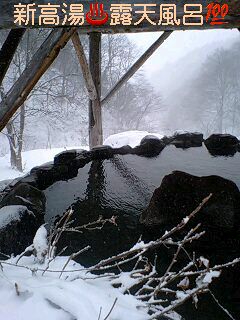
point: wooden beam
(92, 92)
(136, 66)
(8, 50)
(40, 62)
(95, 112)
(232, 19)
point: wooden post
(8, 50)
(95, 112)
(40, 62)
(137, 65)
(92, 92)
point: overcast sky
(179, 44)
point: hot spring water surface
(126, 183)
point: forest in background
(209, 101)
(56, 112)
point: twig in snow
(27, 250)
(100, 312)
(16, 288)
(110, 311)
(52, 259)
(5, 255)
(73, 255)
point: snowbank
(33, 296)
(131, 138)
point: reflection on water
(127, 182)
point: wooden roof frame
(91, 70)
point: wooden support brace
(40, 62)
(8, 50)
(95, 112)
(137, 65)
(92, 91)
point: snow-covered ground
(30, 159)
(27, 295)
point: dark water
(127, 182)
(123, 186)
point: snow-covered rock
(18, 226)
(9, 214)
(131, 138)
(3, 184)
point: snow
(3, 184)
(29, 293)
(138, 245)
(40, 243)
(185, 220)
(38, 157)
(131, 138)
(28, 296)
(181, 295)
(184, 283)
(210, 275)
(205, 262)
(31, 159)
(10, 213)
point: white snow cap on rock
(11, 213)
(131, 138)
